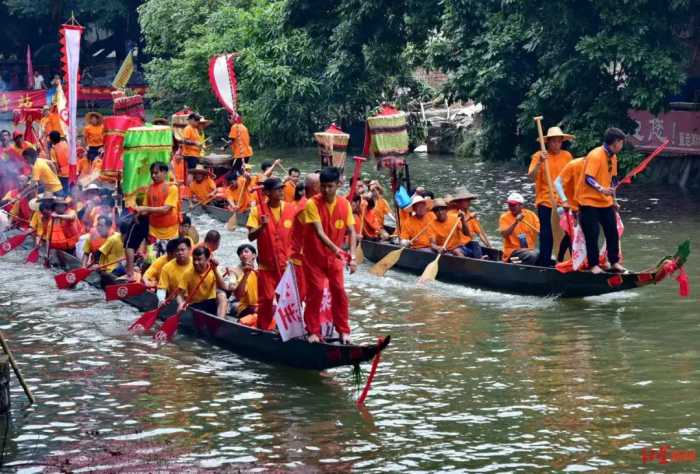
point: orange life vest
(156, 195)
(333, 225)
(65, 233)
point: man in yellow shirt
(171, 273)
(152, 275)
(519, 228)
(199, 285)
(42, 172)
(111, 251)
(246, 287)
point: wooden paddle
(49, 227)
(390, 259)
(431, 270)
(359, 253)
(18, 373)
(232, 223)
(557, 232)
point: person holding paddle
(199, 285)
(555, 158)
(596, 197)
(172, 271)
(459, 205)
(415, 226)
(441, 229)
(519, 228)
(328, 219)
(272, 228)
(202, 187)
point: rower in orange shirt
(460, 203)
(202, 187)
(59, 155)
(290, 184)
(93, 135)
(556, 158)
(272, 231)
(415, 225)
(382, 207)
(441, 227)
(237, 193)
(519, 228)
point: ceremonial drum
(114, 129)
(144, 146)
(332, 146)
(131, 106)
(388, 133)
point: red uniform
(273, 252)
(325, 265)
(296, 254)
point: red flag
(643, 165)
(12, 243)
(30, 69)
(119, 292)
(33, 256)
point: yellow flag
(124, 73)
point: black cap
(272, 183)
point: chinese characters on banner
(681, 127)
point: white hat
(416, 199)
(515, 198)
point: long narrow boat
(266, 346)
(218, 213)
(496, 275)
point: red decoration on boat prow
(372, 372)
(615, 281)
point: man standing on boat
(312, 186)
(556, 159)
(240, 144)
(192, 143)
(328, 218)
(272, 230)
(596, 197)
(519, 228)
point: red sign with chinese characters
(681, 127)
(24, 99)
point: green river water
(473, 381)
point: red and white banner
(222, 78)
(327, 328)
(70, 56)
(289, 315)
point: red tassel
(683, 283)
(372, 372)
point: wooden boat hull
(218, 213)
(266, 346)
(508, 277)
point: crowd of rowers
(303, 218)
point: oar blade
(388, 261)
(12, 243)
(232, 222)
(70, 279)
(430, 272)
(145, 322)
(33, 256)
(126, 290)
(168, 328)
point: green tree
(281, 94)
(580, 64)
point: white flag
(288, 312)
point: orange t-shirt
(83, 166)
(202, 190)
(289, 189)
(59, 154)
(512, 242)
(381, 209)
(94, 135)
(556, 164)
(372, 225)
(571, 179)
(52, 123)
(240, 141)
(191, 134)
(602, 168)
(411, 226)
(440, 230)
(472, 225)
(241, 194)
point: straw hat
(439, 203)
(553, 132)
(460, 193)
(199, 169)
(417, 199)
(34, 203)
(89, 116)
